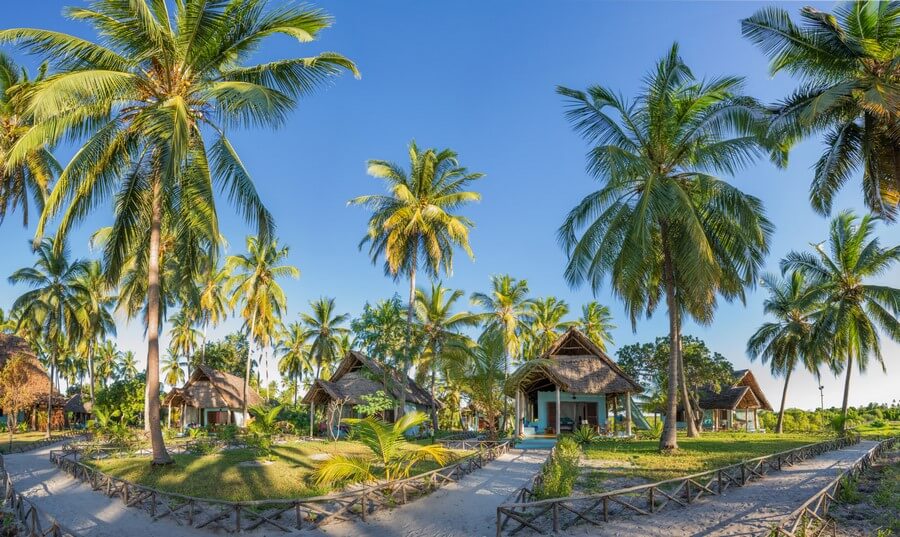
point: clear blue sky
(479, 77)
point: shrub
(558, 475)
(849, 492)
(228, 432)
(584, 435)
(878, 424)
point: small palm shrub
(585, 435)
(559, 473)
(109, 431)
(849, 492)
(263, 427)
(390, 455)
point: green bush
(559, 473)
(878, 424)
(585, 435)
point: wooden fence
(552, 515)
(285, 515)
(58, 436)
(811, 519)
(35, 522)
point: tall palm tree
(254, 284)
(441, 330)
(52, 304)
(596, 323)
(855, 310)
(108, 357)
(183, 334)
(295, 355)
(173, 369)
(662, 224)
(95, 314)
(847, 63)
(788, 341)
(543, 323)
(323, 332)
(505, 305)
(33, 173)
(416, 224)
(153, 103)
(212, 301)
(127, 366)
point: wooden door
(551, 416)
(591, 413)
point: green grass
(642, 459)
(20, 440)
(219, 475)
(890, 428)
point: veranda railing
(555, 514)
(811, 519)
(285, 515)
(35, 522)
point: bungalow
(573, 384)
(78, 411)
(359, 375)
(734, 406)
(36, 389)
(211, 397)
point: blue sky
(479, 77)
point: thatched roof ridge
(78, 405)
(212, 388)
(744, 393)
(577, 365)
(348, 383)
(38, 380)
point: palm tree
(153, 103)
(173, 369)
(440, 328)
(183, 334)
(543, 323)
(254, 283)
(295, 355)
(323, 332)
(787, 341)
(212, 301)
(388, 451)
(485, 377)
(596, 323)
(415, 226)
(52, 304)
(95, 313)
(108, 357)
(854, 311)
(31, 175)
(847, 62)
(127, 366)
(662, 224)
(505, 306)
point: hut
(573, 384)
(211, 397)
(36, 389)
(734, 406)
(78, 411)
(359, 375)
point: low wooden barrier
(285, 515)
(555, 514)
(35, 522)
(59, 436)
(811, 518)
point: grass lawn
(221, 476)
(890, 428)
(612, 464)
(20, 440)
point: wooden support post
(747, 420)
(558, 412)
(628, 413)
(755, 420)
(730, 419)
(169, 416)
(518, 427)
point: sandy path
(467, 508)
(743, 511)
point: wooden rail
(44, 442)
(285, 515)
(555, 514)
(35, 522)
(811, 519)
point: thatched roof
(359, 375)
(38, 380)
(211, 388)
(575, 364)
(744, 393)
(77, 405)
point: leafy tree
(126, 397)
(596, 323)
(847, 64)
(788, 341)
(375, 404)
(254, 283)
(153, 103)
(230, 354)
(855, 310)
(18, 390)
(380, 330)
(415, 226)
(505, 306)
(389, 452)
(662, 224)
(484, 378)
(543, 323)
(31, 174)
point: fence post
(555, 517)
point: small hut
(78, 411)
(734, 406)
(37, 387)
(573, 384)
(358, 375)
(211, 397)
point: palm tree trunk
(669, 438)
(779, 426)
(434, 416)
(50, 391)
(203, 348)
(691, 424)
(247, 369)
(160, 455)
(91, 370)
(409, 325)
(846, 392)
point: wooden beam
(628, 413)
(558, 412)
